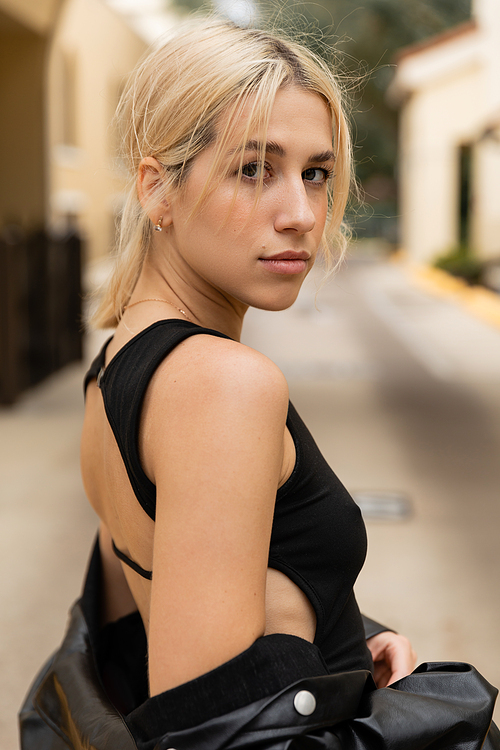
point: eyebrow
(271, 147)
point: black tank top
(318, 537)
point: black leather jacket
(438, 706)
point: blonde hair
(172, 107)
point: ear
(151, 190)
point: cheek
(324, 206)
(321, 213)
(234, 223)
(225, 213)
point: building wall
(92, 52)
(38, 16)
(485, 235)
(487, 13)
(25, 32)
(450, 97)
(435, 122)
(62, 63)
(22, 187)
(486, 224)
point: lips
(289, 255)
(288, 262)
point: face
(258, 253)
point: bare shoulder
(207, 367)
(210, 395)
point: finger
(381, 674)
(402, 663)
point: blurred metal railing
(40, 308)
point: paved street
(400, 389)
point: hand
(393, 657)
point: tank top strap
(123, 383)
(96, 366)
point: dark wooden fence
(40, 309)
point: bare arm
(214, 444)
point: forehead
(296, 115)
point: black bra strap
(123, 557)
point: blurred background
(394, 363)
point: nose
(294, 212)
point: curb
(480, 302)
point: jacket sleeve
(373, 628)
(270, 665)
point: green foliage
(461, 261)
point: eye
(316, 175)
(254, 170)
(250, 170)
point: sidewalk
(366, 373)
(47, 531)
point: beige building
(449, 92)
(62, 65)
(92, 52)
(26, 28)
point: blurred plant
(462, 262)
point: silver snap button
(304, 703)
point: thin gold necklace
(156, 299)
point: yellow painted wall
(38, 16)
(22, 184)
(436, 121)
(450, 93)
(92, 52)
(486, 206)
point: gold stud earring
(158, 227)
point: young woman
(221, 523)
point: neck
(208, 308)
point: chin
(275, 305)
